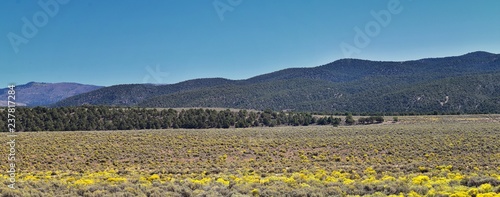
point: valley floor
(417, 156)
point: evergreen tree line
(86, 118)
(392, 113)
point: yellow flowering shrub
(485, 188)
(419, 180)
(116, 180)
(222, 181)
(154, 177)
(84, 182)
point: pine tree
(349, 120)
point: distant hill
(465, 94)
(133, 94)
(45, 94)
(467, 84)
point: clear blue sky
(124, 41)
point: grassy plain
(417, 156)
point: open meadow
(416, 156)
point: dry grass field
(417, 156)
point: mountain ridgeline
(462, 84)
(45, 94)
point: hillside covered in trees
(463, 84)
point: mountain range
(468, 83)
(45, 94)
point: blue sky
(168, 41)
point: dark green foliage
(349, 120)
(328, 120)
(395, 119)
(87, 118)
(452, 85)
(371, 120)
(336, 121)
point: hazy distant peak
(480, 53)
(42, 94)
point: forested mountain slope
(468, 82)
